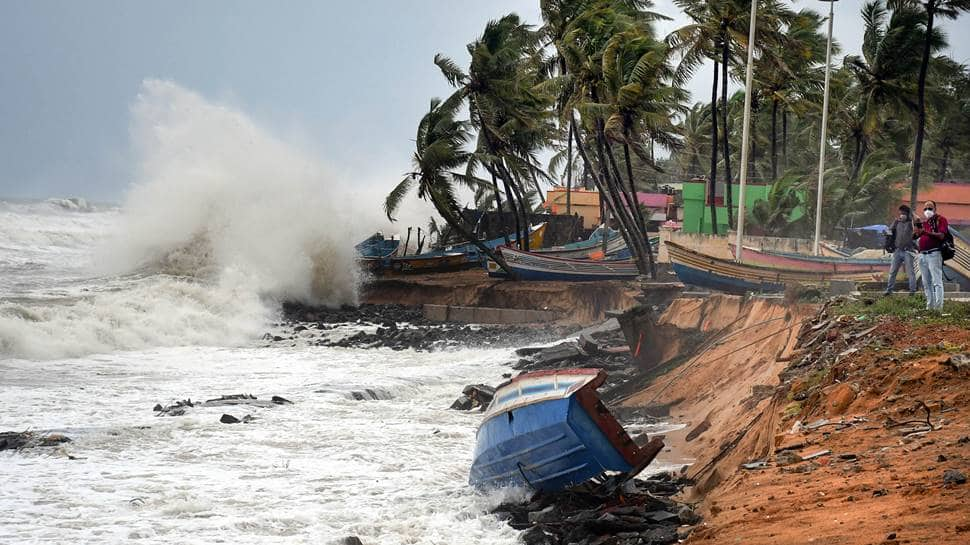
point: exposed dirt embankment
(722, 357)
(578, 302)
(819, 428)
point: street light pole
(746, 125)
(825, 123)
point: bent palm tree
(439, 149)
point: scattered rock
(953, 477)
(229, 419)
(638, 512)
(890, 536)
(463, 403)
(958, 361)
(279, 400)
(351, 540)
(176, 409)
(371, 394)
(13, 440)
(787, 458)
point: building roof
(654, 200)
(952, 200)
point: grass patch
(911, 308)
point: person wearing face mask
(929, 240)
(900, 243)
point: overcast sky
(346, 80)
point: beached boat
(699, 269)
(476, 256)
(788, 260)
(591, 248)
(374, 253)
(430, 263)
(456, 257)
(533, 266)
(548, 430)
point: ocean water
(90, 356)
(106, 310)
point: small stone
(688, 516)
(941, 458)
(890, 536)
(281, 400)
(953, 477)
(157, 407)
(229, 419)
(463, 403)
(351, 540)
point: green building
(697, 209)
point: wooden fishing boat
(699, 269)
(533, 266)
(430, 263)
(476, 256)
(548, 430)
(584, 249)
(787, 260)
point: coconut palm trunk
(725, 144)
(569, 169)
(921, 103)
(712, 188)
(608, 201)
(774, 140)
(639, 212)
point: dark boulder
(463, 403)
(229, 419)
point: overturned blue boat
(548, 430)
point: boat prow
(548, 430)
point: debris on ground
(605, 512)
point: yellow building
(583, 202)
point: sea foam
(221, 222)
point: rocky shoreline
(397, 327)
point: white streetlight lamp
(746, 125)
(825, 123)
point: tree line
(596, 88)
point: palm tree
(693, 127)
(788, 74)
(719, 32)
(510, 113)
(946, 9)
(583, 50)
(885, 72)
(439, 150)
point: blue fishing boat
(377, 246)
(548, 430)
(534, 266)
(375, 252)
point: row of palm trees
(599, 90)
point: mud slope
(855, 427)
(731, 351)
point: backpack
(947, 249)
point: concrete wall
(718, 246)
(486, 315)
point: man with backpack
(932, 237)
(900, 243)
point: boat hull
(699, 269)
(834, 265)
(549, 431)
(532, 266)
